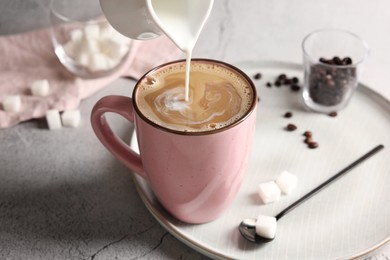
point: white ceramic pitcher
(147, 19)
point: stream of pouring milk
(182, 21)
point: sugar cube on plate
(266, 226)
(287, 182)
(12, 103)
(269, 192)
(40, 88)
(71, 118)
(53, 119)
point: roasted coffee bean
(295, 87)
(278, 83)
(291, 127)
(282, 77)
(268, 84)
(288, 114)
(312, 145)
(295, 80)
(307, 134)
(308, 140)
(287, 82)
(337, 61)
(257, 76)
(347, 61)
(333, 114)
(325, 61)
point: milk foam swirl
(217, 97)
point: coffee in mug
(192, 153)
(218, 97)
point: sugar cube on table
(287, 182)
(269, 192)
(71, 118)
(266, 226)
(12, 103)
(53, 119)
(40, 88)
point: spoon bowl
(248, 231)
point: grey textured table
(63, 196)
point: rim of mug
(198, 133)
(355, 64)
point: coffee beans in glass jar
(330, 80)
(333, 61)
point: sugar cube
(82, 58)
(106, 30)
(92, 31)
(89, 45)
(12, 103)
(287, 182)
(71, 118)
(70, 48)
(53, 119)
(40, 88)
(269, 192)
(98, 61)
(266, 226)
(113, 49)
(76, 34)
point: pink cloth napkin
(27, 57)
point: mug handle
(123, 106)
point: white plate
(348, 219)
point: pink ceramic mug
(194, 175)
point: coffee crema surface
(218, 96)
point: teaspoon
(248, 226)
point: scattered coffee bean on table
(287, 82)
(268, 84)
(257, 76)
(282, 76)
(295, 87)
(288, 114)
(308, 140)
(333, 114)
(291, 127)
(284, 80)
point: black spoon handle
(330, 180)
